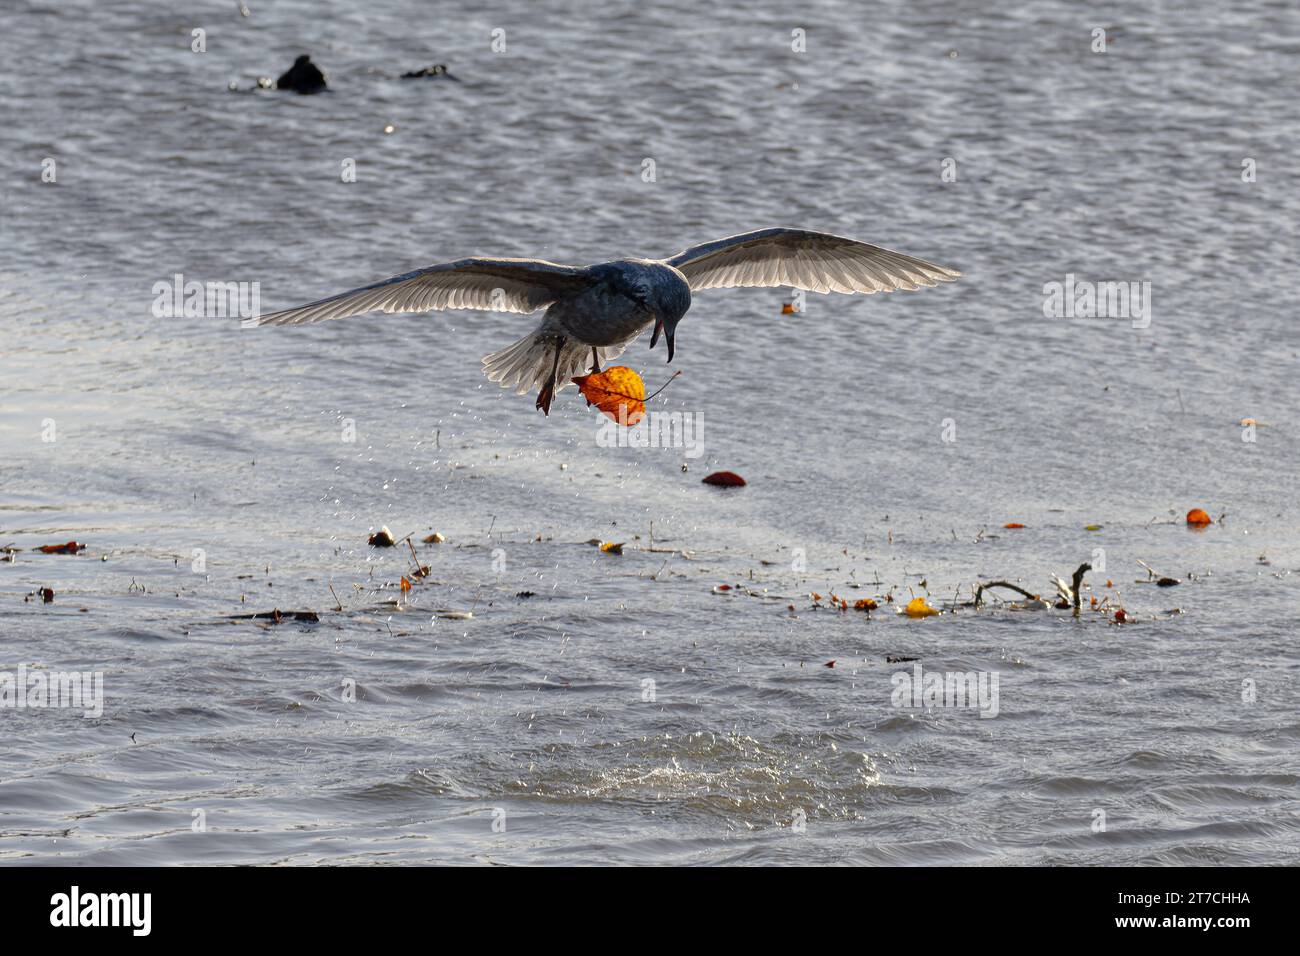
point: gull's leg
(595, 361)
(548, 390)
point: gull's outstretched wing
(498, 285)
(815, 261)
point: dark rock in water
(303, 77)
(437, 70)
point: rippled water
(205, 466)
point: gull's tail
(527, 364)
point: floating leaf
(383, 538)
(611, 548)
(619, 392)
(866, 604)
(1092, 527)
(1013, 524)
(829, 664)
(406, 585)
(918, 608)
(1198, 518)
(70, 548)
(724, 479)
(434, 538)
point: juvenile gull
(595, 312)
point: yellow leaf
(612, 548)
(918, 608)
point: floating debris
(303, 77)
(437, 71)
(724, 479)
(276, 616)
(70, 548)
(918, 608)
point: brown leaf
(724, 479)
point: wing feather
(816, 261)
(496, 285)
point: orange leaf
(866, 604)
(619, 392)
(70, 548)
(1198, 518)
(406, 585)
(1014, 524)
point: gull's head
(669, 300)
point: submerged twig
(1002, 584)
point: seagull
(595, 312)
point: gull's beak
(668, 334)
